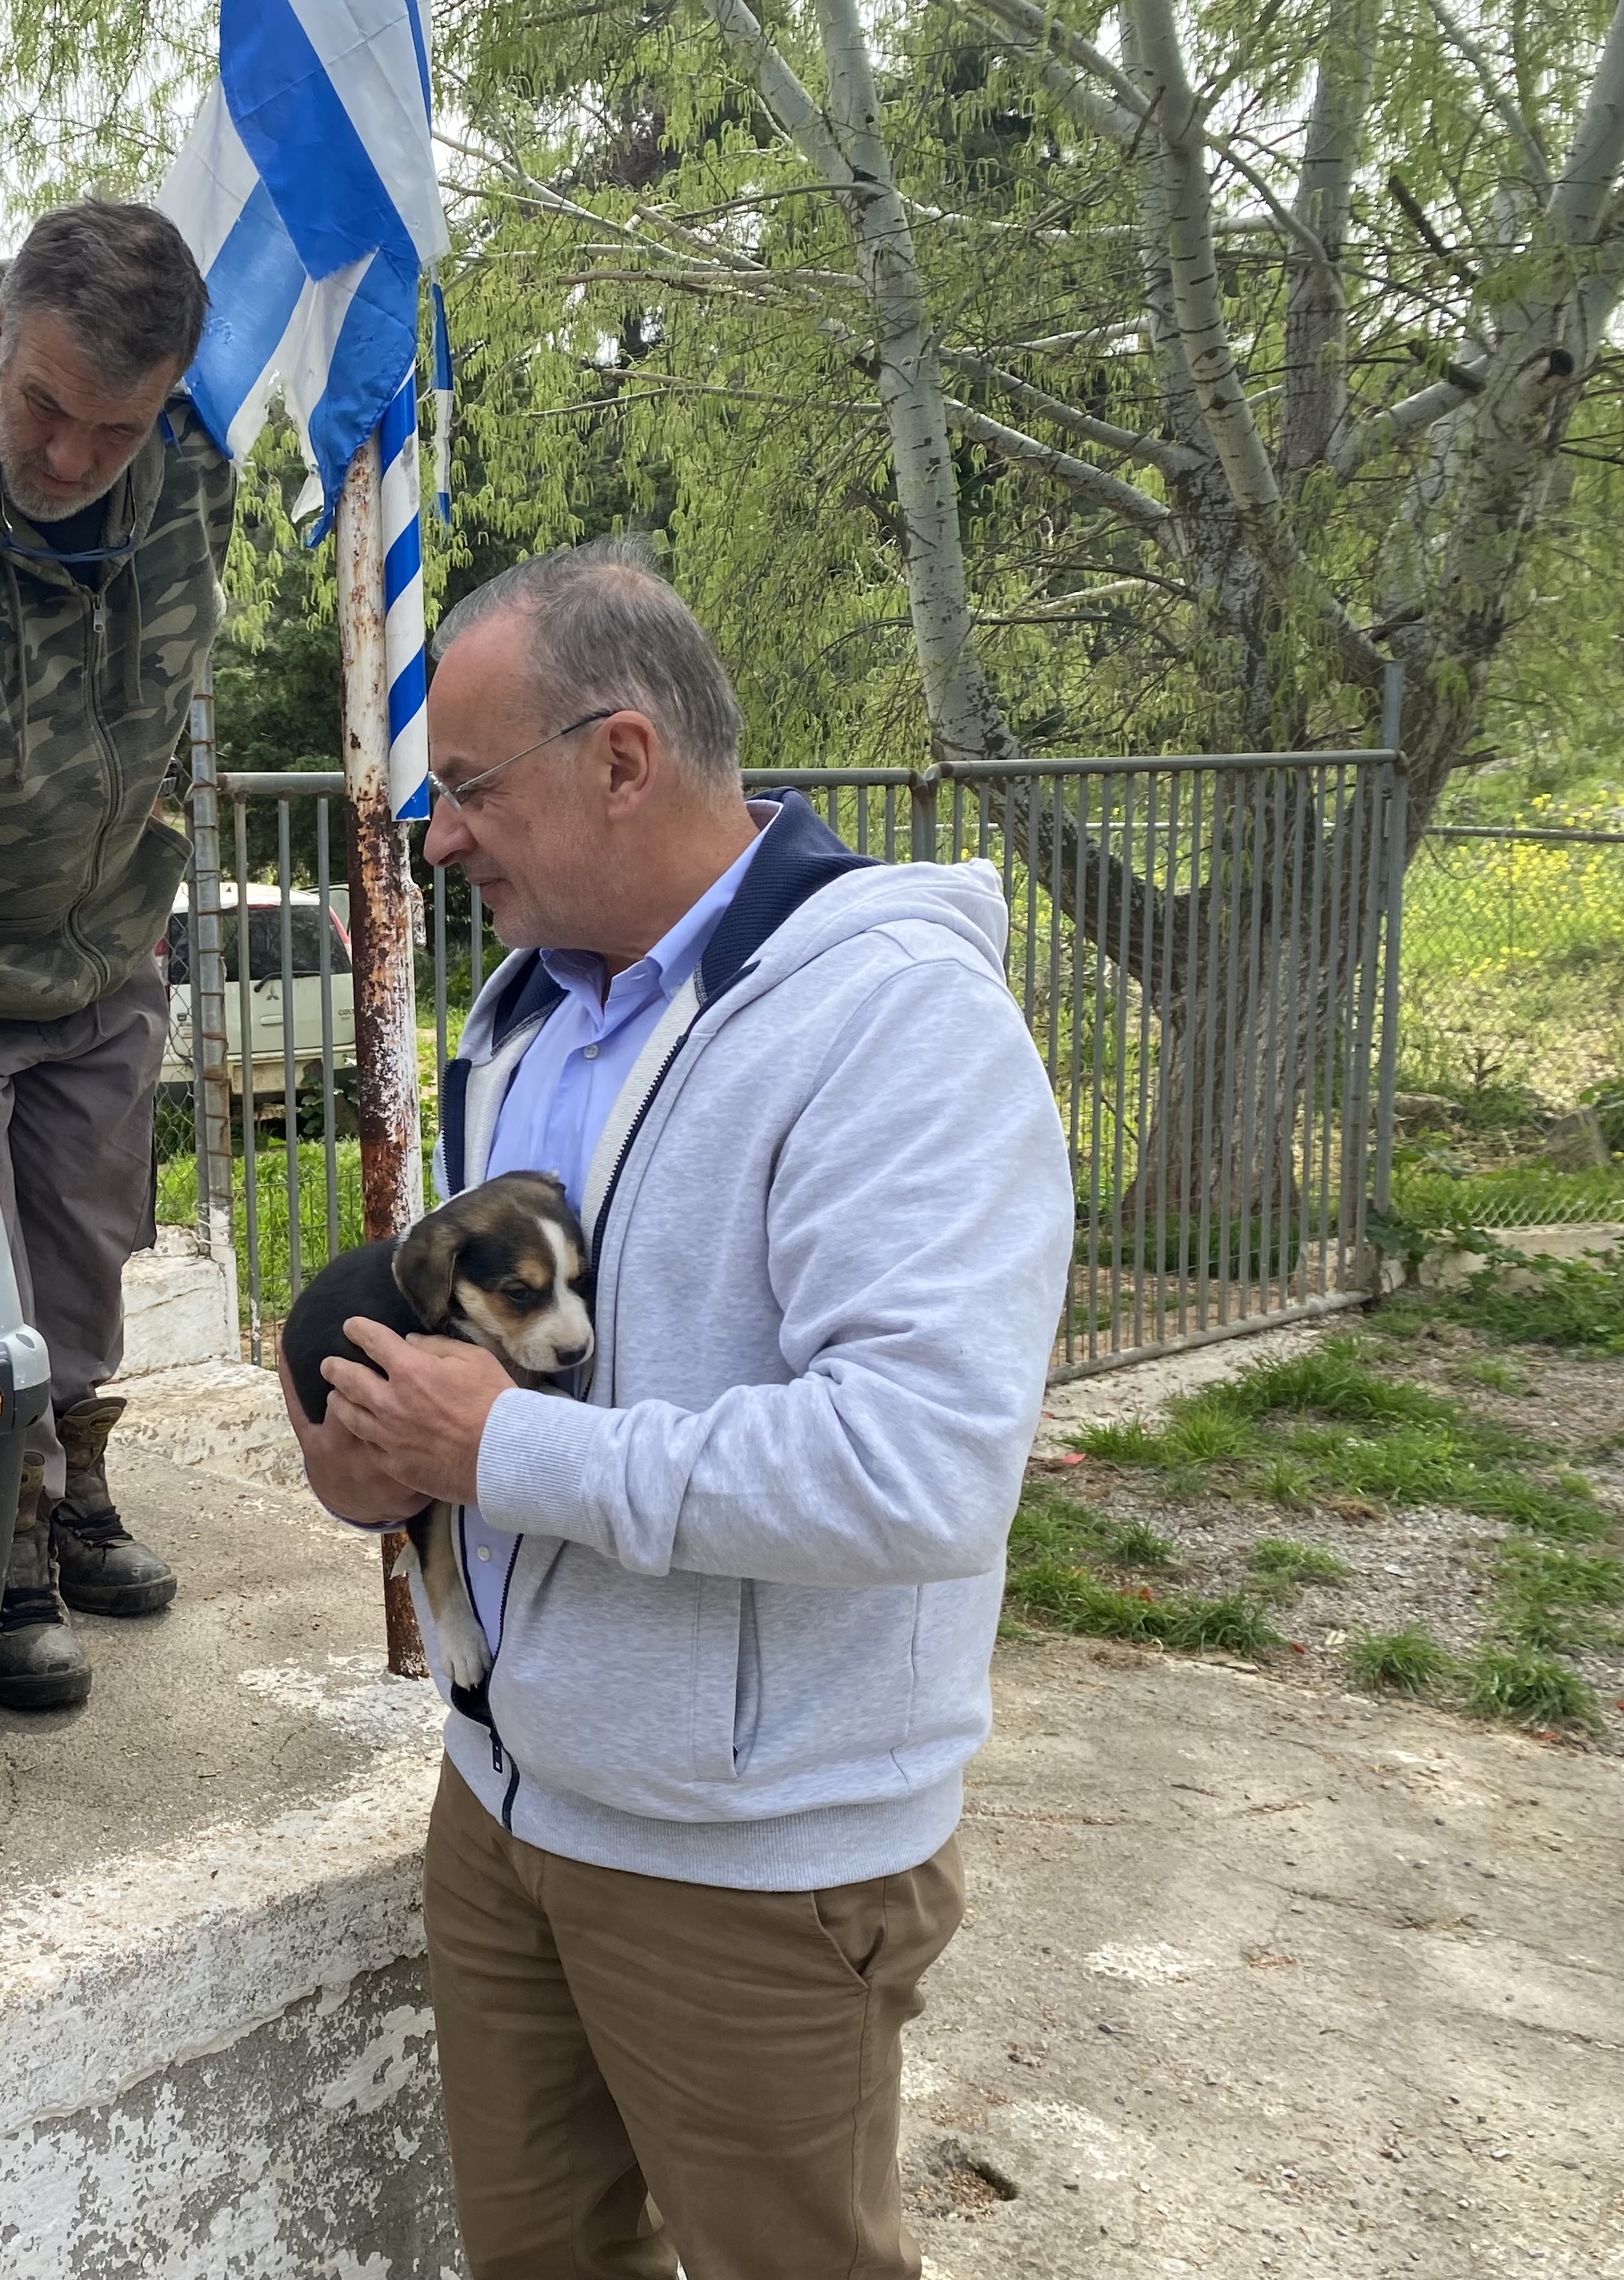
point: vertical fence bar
(922, 819)
(1211, 1139)
(1269, 1106)
(381, 930)
(1311, 1036)
(1057, 857)
(211, 1044)
(329, 1105)
(1355, 1069)
(1164, 1037)
(1102, 921)
(1187, 1075)
(1248, 1059)
(1337, 862)
(1357, 1139)
(290, 1071)
(1118, 1089)
(1075, 1115)
(1300, 790)
(1228, 1158)
(1386, 1078)
(1147, 990)
(245, 1048)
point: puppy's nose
(568, 1356)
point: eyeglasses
(458, 795)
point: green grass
(1577, 1303)
(1280, 1431)
(1057, 1547)
(1408, 1661)
(1496, 1376)
(1282, 1559)
(1075, 1600)
(1549, 1599)
(1526, 1687)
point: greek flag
(307, 192)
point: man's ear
(424, 1261)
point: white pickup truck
(264, 956)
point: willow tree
(1012, 379)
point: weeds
(1548, 1598)
(1408, 1661)
(1496, 1376)
(1526, 1687)
(1075, 1600)
(1574, 1303)
(1284, 1561)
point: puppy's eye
(521, 1294)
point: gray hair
(121, 276)
(606, 628)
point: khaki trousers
(636, 2070)
(76, 1180)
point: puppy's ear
(424, 1261)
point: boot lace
(25, 1605)
(101, 1529)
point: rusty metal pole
(380, 937)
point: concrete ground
(1252, 1981)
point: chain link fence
(1511, 1057)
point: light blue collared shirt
(562, 1092)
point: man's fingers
(362, 1424)
(359, 1385)
(377, 1342)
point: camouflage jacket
(96, 686)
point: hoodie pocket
(629, 1688)
(718, 1639)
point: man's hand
(425, 1416)
(347, 1475)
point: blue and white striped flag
(307, 192)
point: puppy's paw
(464, 1650)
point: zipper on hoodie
(499, 1760)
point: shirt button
(484, 1552)
(588, 1052)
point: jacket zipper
(499, 1760)
(95, 637)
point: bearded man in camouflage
(115, 511)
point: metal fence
(1202, 948)
(1513, 970)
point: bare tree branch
(1091, 482)
(1409, 417)
(1171, 459)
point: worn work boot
(43, 1666)
(104, 1570)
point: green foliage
(1075, 1600)
(1574, 1303)
(1282, 1559)
(1526, 1687)
(1548, 1598)
(1408, 1661)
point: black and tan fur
(503, 1266)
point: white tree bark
(848, 149)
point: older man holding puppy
(694, 1844)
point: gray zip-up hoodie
(757, 1572)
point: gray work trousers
(76, 1099)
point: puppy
(503, 1266)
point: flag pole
(380, 935)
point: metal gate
(1204, 949)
